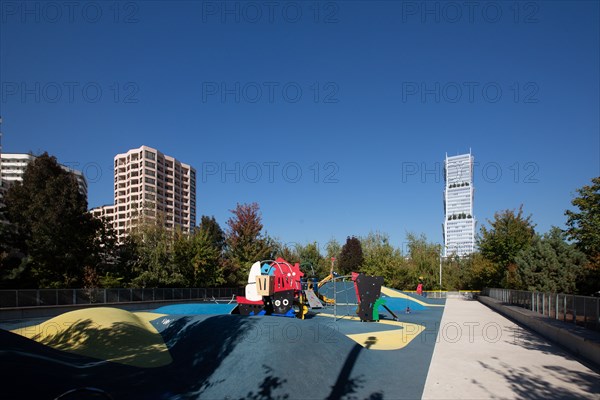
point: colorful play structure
(275, 287)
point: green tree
(351, 256)
(284, 250)
(208, 267)
(584, 228)
(508, 234)
(423, 261)
(550, 264)
(104, 268)
(212, 229)
(332, 249)
(51, 225)
(476, 272)
(310, 258)
(245, 243)
(383, 259)
(155, 265)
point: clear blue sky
(369, 94)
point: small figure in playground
(420, 286)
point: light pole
(442, 247)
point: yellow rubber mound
(104, 333)
(377, 339)
(394, 293)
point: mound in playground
(151, 355)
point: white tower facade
(459, 221)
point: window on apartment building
(150, 180)
(150, 172)
(150, 155)
(150, 164)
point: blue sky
(334, 116)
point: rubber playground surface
(200, 350)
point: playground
(289, 337)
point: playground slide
(313, 300)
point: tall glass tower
(459, 222)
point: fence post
(584, 314)
(565, 308)
(556, 308)
(597, 314)
(574, 311)
(104, 295)
(74, 296)
(532, 301)
(37, 297)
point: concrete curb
(582, 342)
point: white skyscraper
(459, 222)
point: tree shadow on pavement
(542, 385)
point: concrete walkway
(482, 355)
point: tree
(333, 249)
(508, 234)
(51, 225)
(351, 256)
(155, 265)
(245, 243)
(423, 261)
(383, 259)
(309, 255)
(481, 272)
(550, 264)
(584, 229)
(213, 230)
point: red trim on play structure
(243, 300)
(286, 276)
(354, 276)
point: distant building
(459, 221)
(151, 185)
(13, 166)
(107, 212)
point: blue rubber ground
(237, 357)
(196, 309)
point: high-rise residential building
(13, 166)
(151, 185)
(459, 222)
(2, 184)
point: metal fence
(580, 310)
(59, 297)
(444, 294)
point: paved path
(482, 355)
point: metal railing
(581, 310)
(59, 297)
